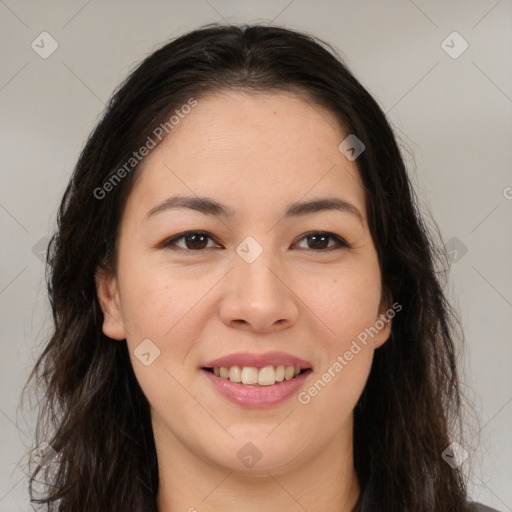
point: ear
(384, 319)
(108, 296)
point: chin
(260, 454)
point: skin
(255, 153)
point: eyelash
(170, 242)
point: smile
(252, 376)
(256, 395)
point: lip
(256, 396)
(259, 360)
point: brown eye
(192, 241)
(319, 241)
(198, 241)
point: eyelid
(340, 240)
(171, 241)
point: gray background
(453, 114)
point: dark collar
(368, 502)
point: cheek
(155, 300)
(345, 302)
(157, 309)
(346, 308)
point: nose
(258, 298)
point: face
(259, 279)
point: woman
(247, 311)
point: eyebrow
(209, 206)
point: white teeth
(235, 374)
(289, 372)
(267, 376)
(250, 375)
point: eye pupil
(196, 238)
(321, 238)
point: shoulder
(478, 507)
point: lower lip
(257, 396)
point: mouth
(257, 380)
(256, 387)
(253, 376)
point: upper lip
(258, 360)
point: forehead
(244, 147)
(258, 121)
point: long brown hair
(93, 413)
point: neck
(188, 481)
